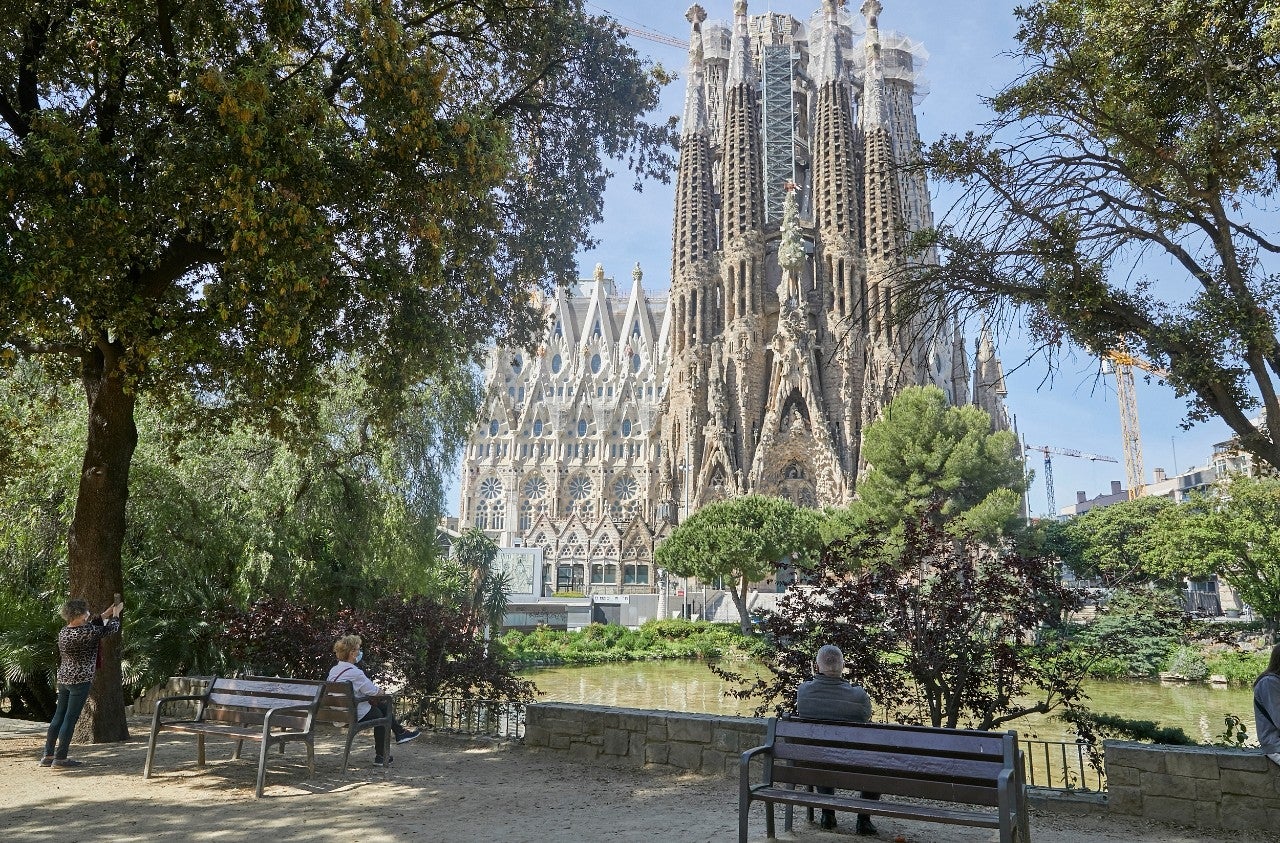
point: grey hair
(829, 657)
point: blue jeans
(70, 702)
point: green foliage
(1116, 543)
(1134, 633)
(743, 539)
(1137, 127)
(951, 634)
(1235, 536)
(1234, 733)
(928, 457)
(1239, 668)
(1188, 662)
(1094, 726)
(219, 205)
(665, 639)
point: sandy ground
(439, 788)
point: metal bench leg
(769, 830)
(262, 769)
(151, 754)
(311, 757)
(346, 753)
(744, 811)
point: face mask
(360, 655)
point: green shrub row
(665, 639)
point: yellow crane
(1123, 363)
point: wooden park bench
(271, 711)
(961, 767)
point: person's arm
(362, 684)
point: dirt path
(438, 789)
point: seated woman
(347, 649)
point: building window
(582, 427)
(517, 364)
(635, 575)
(493, 427)
(626, 427)
(537, 427)
(556, 363)
(595, 364)
(604, 574)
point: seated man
(827, 696)
(347, 649)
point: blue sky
(968, 44)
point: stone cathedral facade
(779, 339)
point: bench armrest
(303, 708)
(744, 765)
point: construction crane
(642, 32)
(1048, 468)
(1123, 363)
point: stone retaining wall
(701, 743)
(1201, 786)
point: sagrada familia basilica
(779, 339)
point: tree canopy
(926, 457)
(1113, 543)
(1124, 196)
(743, 539)
(213, 202)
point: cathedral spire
(742, 183)
(693, 235)
(873, 99)
(831, 67)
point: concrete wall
(1201, 786)
(700, 743)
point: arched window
(595, 364)
(626, 427)
(537, 427)
(533, 500)
(517, 363)
(556, 362)
(493, 427)
(582, 427)
(490, 509)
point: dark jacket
(827, 698)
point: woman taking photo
(77, 661)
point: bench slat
(889, 785)
(304, 688)
(885, 759)
(239, 700)
(253, 717)
(932, 741)
(899, 810)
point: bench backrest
(953, 765)
(245, 701)
(338, 705)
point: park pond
(1198, 709)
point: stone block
(1246, 783)
(1118, 776)
(713, 762)
(1162, 784)
(686, 756)
(1172, 809)
(1196, 765)
(1124, 800)
(657, 730)
(1144, 757)
(535, 735)
(559, 741)
(1241, 812)
(1209, 790)
(696, 730)
(616, 741)
(1252, 762)
(656, 753)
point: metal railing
(486, 718)
(1061, 766)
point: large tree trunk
(739, 596)
(97, 528)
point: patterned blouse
(78, 648)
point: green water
(1199, 709)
